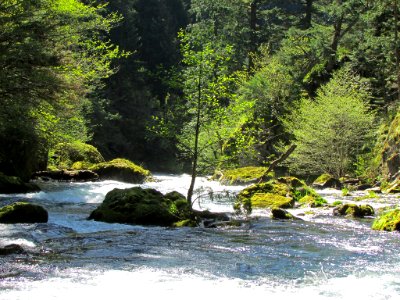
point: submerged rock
(354, 210)
(143, 207)
(281, 214)
(121, 170)
(389, 221)
(21, 212)
(11, 249)
(14, 185)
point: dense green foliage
(331, 130)
(49, 66)
(200, 85)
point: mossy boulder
(121, 170)
(143, 207)
(269, 200)
(281, 214)
(313, 200)
(76, 155)
(354, 210)
(22, 212)
(285, 189)
(389, 221)
(14, 185)
(243, 175)
(327, 181)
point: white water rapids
(322, 257)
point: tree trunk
(253, 32)
(334, 45)
(196, 138)
(308, 17)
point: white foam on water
(176, 284)
(19, 241)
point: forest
(201, 85)
(199, 149)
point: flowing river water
(319, 257)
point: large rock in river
(276, 193)
(121, 170)
(22, 212)
(143, 207)
(354, 210)
(327, 181)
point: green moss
(390, 221)
(367, 210)
(65, 155)
(141, 206)
(337, 203)
(240, 175)
(185, 223)
(286, 187)
(81, 165)
(345, 192)
(370, 195)
(22, 212)
(313, 201)
(322, 179)
(327, 181)
(269, 200)
(353, 210)
(122, 170)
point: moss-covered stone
(122, 170)
(367, 210)
(143, 207)
(389, 221)
(22, 212)
(354, 210)
(240, 175)
(281, 214)
(185, 223)
(286, 187)
(313, 200)
(76, 155)
(14, 185)
(327, 181)
(269, 200)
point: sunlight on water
(321, 257)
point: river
(320, 257)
